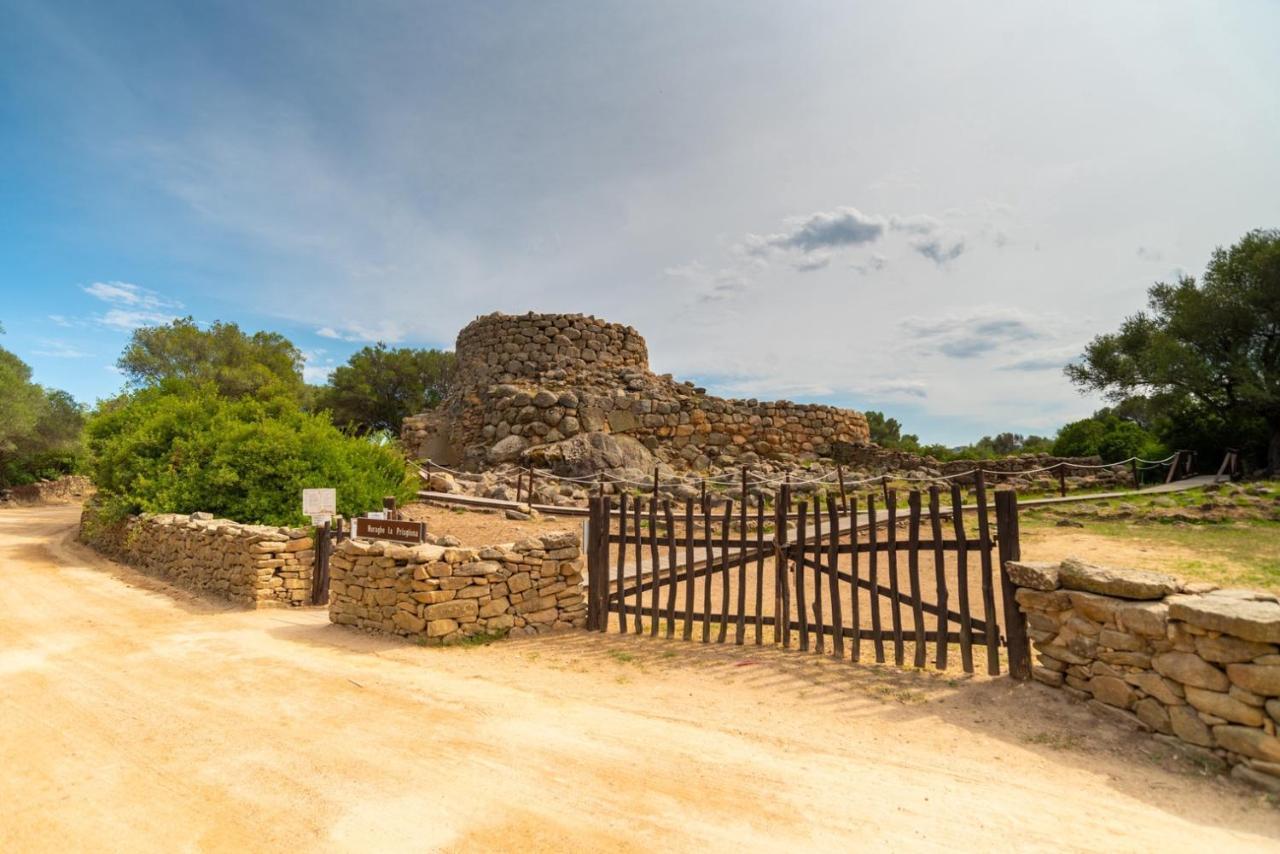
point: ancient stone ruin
(575, 394)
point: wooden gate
(814, 575)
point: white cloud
(56, 348)
(387, 331)
(974, 334)
(135, 306)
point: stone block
(462, 609)
(1075, 574)
(1225, 649)
(1223, 706)
(1187, 726)
(1189, 669)
(1249, 619)
(1248, 741)
(1119, 640)
(1035, 575)
(1149, 619)
(1112, 691)
(1261, 679)
(1152, 713)
(441, 627)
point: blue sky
(922, 208)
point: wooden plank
(706, 579)
(639, 541)
(741, 631)
(802, 607)
(759, 570)
(833, 561)
(669, 518)
(891, 534)
(913, 574)
(962, 580)
(819, 646)
(782, 569)
(622, 563)
(939, 578)
(904, 599)
(846, 631)
(856, 616)
(592, 548)
(1015, 622)
(877, 635)
(653, 557)
(686, 630)
(724, 571)
(988, 589)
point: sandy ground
(484, 527)
(139, 718)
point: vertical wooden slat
(602, 610)
(895, 600)
(726, 524)
(636, 518)
(873, 557)
(962, 579)
(856, 608)
(833, 566)
(653, 559)
(686, 631)
(706, 575)
(782, 570)
(592, 547)
(740, 637)
(1015, 621)
(940, 578)
(760, 570)
(913, 575)
(671, 567)
(988, 588)
(802, 607)
(819, 646)
(622, 563)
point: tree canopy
(378, 387)
(1206, 352)
(39, 428)
(260, 365)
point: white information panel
(319, 502)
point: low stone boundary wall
(1191, 662)
(257, 565)
(445, 595)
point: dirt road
(138, 718)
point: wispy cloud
(388, 332)
(1044, 360)
(968, 336)
(134, 306)
(815, 236)
(56, 348)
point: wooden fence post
(844, 497)
(530, 490)
(1015, 621)
(1062, 479)
(389, 507)
(1133, 466)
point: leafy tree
(175, 448)
(379, 387)
(1212, 348)
(261, 365)
(1107, 435)
(887, 432)
(39, 428)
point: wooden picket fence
(826, 578)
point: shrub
(179, 449)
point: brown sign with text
(390, 529)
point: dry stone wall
(1198, 666)
(539, 379)
(444, 595)
(256, 565)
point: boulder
(588, 454)
(1075, 574)
(1250, 619)
(506, 450)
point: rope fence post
(1062, 479)
(844, 497)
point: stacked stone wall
(537, 379)
(252, 564)
(1198, 666)
(444, 595)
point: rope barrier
(826, 478)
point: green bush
(1106, 435)
(178, 449)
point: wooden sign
(390, 529)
